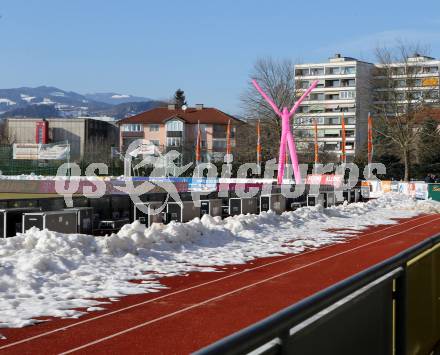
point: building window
(349, 146)
(400, 83)
(174, 126)
(154, 142)
(433, 94)
(219, 144)
(331, 133)
(174, 141)
(399, 71)
(153, 127)
(316, 97)
(316, 109)
(332, 83)
(334, 71)
(350, 120)
(303, 133)
(132, 127)
(432, 70)
(330, 146)
(333, 120)
(416, 95)
(347, 95)
(349, 133)
(316, 71)
(348, 70)
(348, 82)
(332, 97)
(301, 72)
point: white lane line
(192, 288)
(235, 291)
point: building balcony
(219, 134)
(406, 88)
(324, 139)
(328, 102)
(405, 76)
(325, 76)
(325, 114)
(404, 102)
(178, 134)
(328, 126)
(325, 89)
(139, 134)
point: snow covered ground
(44, 273)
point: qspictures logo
(167, 169)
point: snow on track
(44, 273)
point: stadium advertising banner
(53, 151)
(421, 190)
(434, 191)
(25, 151)
(394, 186)
(385, 185)
(404, 188)
(318, 179)
(34, 151)
(202, 184)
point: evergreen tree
(429, 142)
(179, 98)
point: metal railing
(390, 308)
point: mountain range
(48, 101)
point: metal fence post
(401, 312)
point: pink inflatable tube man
(286, 133)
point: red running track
(203, 307)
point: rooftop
(205, 115)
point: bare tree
(402, 92)
(277, 79)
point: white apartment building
(414, 81)
(352, 88)
(344, 90)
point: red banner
(318, 179)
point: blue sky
(207, 48)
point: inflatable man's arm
(301, 99)
(269, 101)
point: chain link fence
(10, 166)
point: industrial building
(88, 138)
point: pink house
(176, 128)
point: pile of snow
(7, 102)
(46, 101)
(27, 98)
(45, 274)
